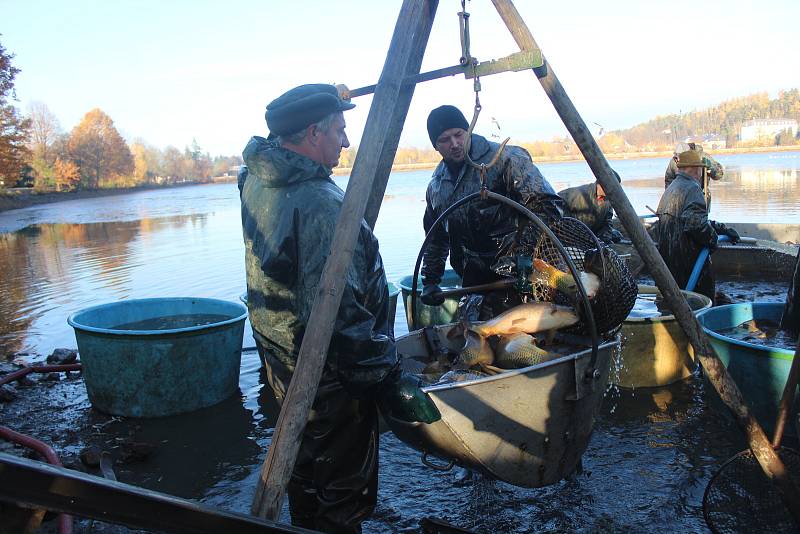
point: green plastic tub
(160, 356)
(431, 315)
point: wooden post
(714, 369)
(381, 134)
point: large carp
(564, 282)
(529, 318)
(520, 350)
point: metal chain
(466, 58)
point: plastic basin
(655, 351)
(431, 315)
(171, 365)
(760, 372)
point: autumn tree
(99, 150)
(44, 142)
(13, 128)
(66, 175)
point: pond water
(651, 455)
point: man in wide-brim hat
(683, 228)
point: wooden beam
(714, 368)
(364, 191)
(31, 484)
(387, 115)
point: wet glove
(616, 235)
(429, 295)
(732, 234)
(400, 395)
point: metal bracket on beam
(523, 60)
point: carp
(526, 318)
(564, 282)
(520, 350)
(477, 350)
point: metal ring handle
(587, 308)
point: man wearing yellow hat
(683, 228)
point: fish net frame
(618, 289)
(740, 497)
(583, 305)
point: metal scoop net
(740, 498)
(617, 294)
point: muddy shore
(24, 197)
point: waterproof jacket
(290, 207)
(714, 169)
(474, 232)
(581, 203)
(682, 230)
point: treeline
(724, 120)
(93, 155)
(35, 151)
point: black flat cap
(302, 106)
(443, 118)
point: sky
(170, 72)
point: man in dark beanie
(475, 232)
(289, 210)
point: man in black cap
(289, 210)
(475, 232)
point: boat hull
(528, 427)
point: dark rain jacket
(289, 211)
(473, 233)
(581, 203)
(682, 230)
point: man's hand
(733, 235)
(616, 235)
(431, 295)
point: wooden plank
(714, 368)
(366, 186)
(387, 115)
(32, 484)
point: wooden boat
(655, 351)
(759, 371)
(528, 427)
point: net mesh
(617, 294)
(740, 498)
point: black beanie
(443, 118)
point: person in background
(683, 229)
(714, 169)
(588, 204)
(475, 232)
(290, 207)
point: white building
(761, 128)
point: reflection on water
(647, 464)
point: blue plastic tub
(431, 315)
(760, 372)
(153, 370)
